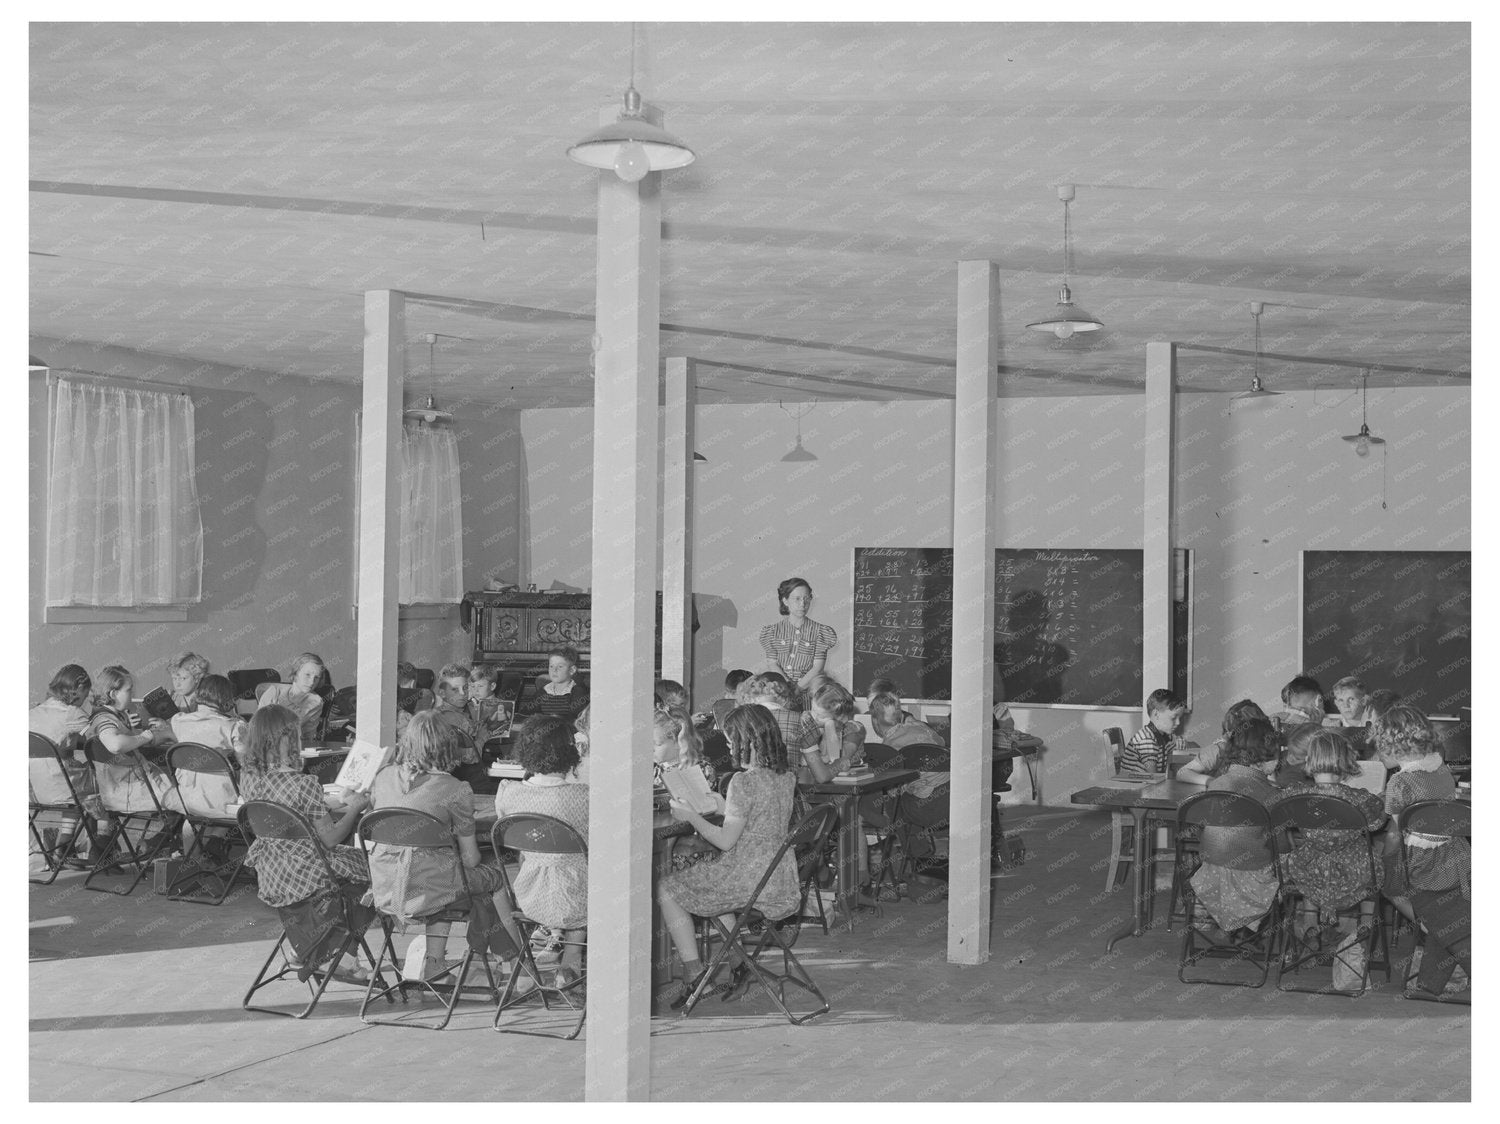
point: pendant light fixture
(631, 146)
(798, 453)
(1364, 438)
(1067, 318)
(426, 411)
(1257, 388)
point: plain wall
(275, 460)
(1255, 483)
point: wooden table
(1026, 748)
(845, 797)
(1143, 800)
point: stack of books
(855, 774)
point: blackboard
(1067, 623)
(1394, 618)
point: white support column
(677, 523)
(617, 1059)
(973, 612)
(379, 514)
(1157, 534)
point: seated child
(675, 745)
(409, 697)
(1200, 768)
(216, 724)
(888, 687)
(123, 779)
(756, 813)
(722, 706)
(552, 890)
(488, 716)
(60, 717)
(187, 671)
(453, 709)
(800, 732)
(411, 884)
(1150, 749)
(670, 693)
(843, 742)
(1236, 878)
(1330, 866)
(1350, 696)
(1302, 702)
(898, 729)
(288, 871)
(561, 696)
(1406, 742)
(580, 773)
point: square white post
(1156, 540)
(971, 740)
(677, 522)
(379, 515)
(617, 1060)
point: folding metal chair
(328, 924)
(210, 882)
(1329, 817)
(543, 835)
(60, 851)
(811, 832)
(1431, 820)
(159, 828)
(410, 829)
(244, 681)
(1201, 938)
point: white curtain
(432, 527)
(123, 526)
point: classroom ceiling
(226, 193)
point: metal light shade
(697, 456)
(798, 453)
(1257, 390)
(1067, 318)
(1364, 436)
(601, 148)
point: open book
(688, 786)
(357, 773)
(159, 704)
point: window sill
(112, 614)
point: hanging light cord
(1067, 237)
(1257, 349)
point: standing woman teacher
(797, 646)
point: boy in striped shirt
(1150, 750)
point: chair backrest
(716, 749)
(723, 777)
(1437, 817)
(244, 680)
(266, 819)
(497, 748)
(426, 678)
(192, 757)
(1230, 810)
(532, 831)
(1319, 811)
(878, 755)
(1114, 746)
(405, 827)
(96, 753)
(40, 745)
(262, 687)
(344, 701)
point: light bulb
(1063, 331)
(1362, 447)
(632, 163)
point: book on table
(690, 787)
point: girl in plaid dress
(288, 871)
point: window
(430, 566)
(123, 527)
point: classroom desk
(1145, 799)
(845, 797)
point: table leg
(845, 894)
(1036, 784)
(1140, 876)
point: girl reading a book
(123, 778)
(756, 814)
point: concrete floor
(1050, 1017)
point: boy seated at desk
(1302, 700)
(1150, 749)
(924, 800)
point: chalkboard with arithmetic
(1067, 623)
